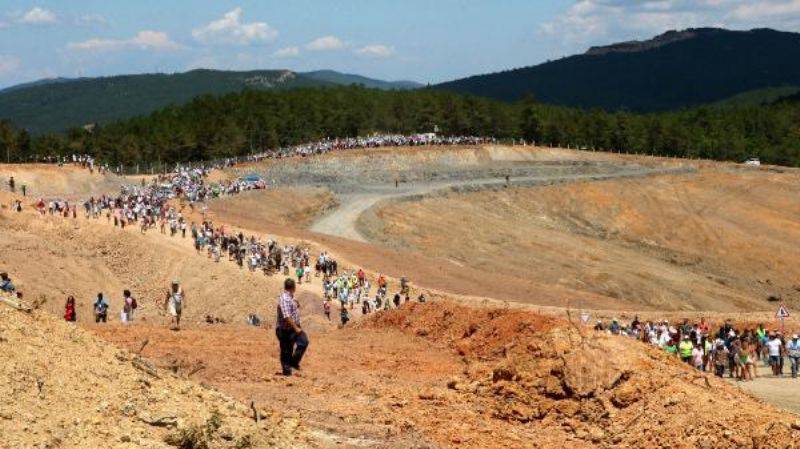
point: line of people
(730, 350)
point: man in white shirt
(775, 347)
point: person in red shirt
(361, 277)
(69, 309)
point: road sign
(782, 314)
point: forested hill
(672, 71)
(235, 124)
(58, 104)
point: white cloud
(144, 40)
(8, 64)
(38, 16)
(230, 30)
(375, 51)
(325, 43)
(91, 19)
(595, 21)
(288, 52)
(767, 9)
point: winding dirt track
(341, 222)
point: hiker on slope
(291, 337)
(174, 303)
(100, 309)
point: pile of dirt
(65, 388)
(597, 390)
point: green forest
(210, 127)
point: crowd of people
(149, 206)
(728, 350)
(322, 146)
(353, 289)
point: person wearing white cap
(793, 349)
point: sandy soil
(63, 387)
(288, 206)
(442, 374)
(67, 182)
(716, 240)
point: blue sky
(426, 41)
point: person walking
(100, 309)
(174, 304)
(326, 307)
(793, 350)
(69, 310)
(128, 306)
(292, 339)
(774, 349)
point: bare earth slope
(52, 257)
(63, 387)
(424, 376)
(717, 240)
(51, 181)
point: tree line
(211, 127)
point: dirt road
(779, 391)
(341, 222)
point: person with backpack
(129, 305)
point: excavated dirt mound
(594, 389)
(64, 388)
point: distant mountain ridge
(334, 77)
(658, 41)
(56, 104)
(675, 70)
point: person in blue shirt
(5, 283)
(793, 349)
(100, 309)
